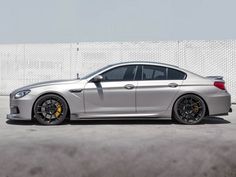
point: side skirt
(117, 116)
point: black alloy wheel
(50, 109)
(189, 109)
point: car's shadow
(208, 120)
(214, 120)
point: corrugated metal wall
(22, 64)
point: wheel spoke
(49, 109)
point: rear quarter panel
(218, 101)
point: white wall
(22, 64)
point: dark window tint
(154, 73)
(122, 73)
(174, 74)
(139, 73)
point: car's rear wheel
(50, 109)
(189, 109)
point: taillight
(220, 85)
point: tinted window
(139, 73)
(174, 74)
(154, 73)
(123, 73)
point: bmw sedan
(124, 90)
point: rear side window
(174, 74)
(154, 72)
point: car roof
(145, 62)
(156, 63)
(191, 74)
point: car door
(155, 89)
(115, 94)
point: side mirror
(97, 78)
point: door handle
(173, 85)
(129, 86)
(76, 90)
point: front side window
(122, 73)
(153, 73)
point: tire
(189, 109)
(50, 109)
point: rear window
(174, 74)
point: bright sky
(27, 21)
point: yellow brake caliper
(58, 112)
(195, 108)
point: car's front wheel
(189, 109)
(50, 109)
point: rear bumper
(219, 104)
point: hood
(46, 83)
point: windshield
(97, 71)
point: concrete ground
(118, 148)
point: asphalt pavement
(134, 148)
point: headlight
(21, 94)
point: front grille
(11, 96)
(10, 99)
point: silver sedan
(124, 90)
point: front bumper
(21, 109)
(16, 117)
